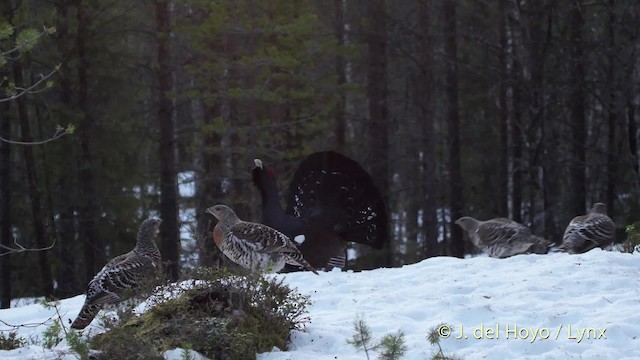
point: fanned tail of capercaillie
(331, 190)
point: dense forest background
(524, 109)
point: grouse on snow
(254, 246)
(501, 237)
(586, 232)
(331, 200)
(120, 277)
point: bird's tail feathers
(297, 259)
(335, 191)
(86, 315)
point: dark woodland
(109, 110)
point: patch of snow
(177, 354)
(524, 307)
(187, 183)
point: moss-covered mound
(222, 316)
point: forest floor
(554, 306)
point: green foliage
(78, 345)
(392, 347)
(433, 337)
(362, 337)
(186, 354)
(221, 316)
(70, 129)
(27, 39)
(47, 304)
(56, 332)
(632, 243)
(6, 30)
(11, 341)
(52, 336)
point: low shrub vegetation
(220, 315)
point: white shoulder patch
(299, 239)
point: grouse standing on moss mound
(123, 275)
(331, 200)
(501, 238)
(254, 246)
(586, 232)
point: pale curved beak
(211, 211)
(258, 163)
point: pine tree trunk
(517, 162)
(632, 130)
(169, 235)
(378, 111)
(34, 193)
(66, 274)
(339, 111)
(537, 115)
(612, 120)
(515, 125)
(429, 184)
(208, 192)
(234, 152)
(456, 245)
(94, 249)
(578, 120)
(502, 208)
(5, 205)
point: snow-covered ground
(524, 307)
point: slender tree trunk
(540, 153)
(339, 111)
(429, 184)
(515, 125)
(516, 144)
(578, 120)
(6, 237)
(234, 150)
(34, 193)
(5, 205)
(94, 249)
(633, 137)
(377, 95)
(208, 191)
(502, 208)
(456, 245)
(66, 274)
(170, 241)
(612, 144)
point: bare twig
(31, 88)
(19, 248)
(25, 325)
(60, 132)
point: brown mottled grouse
(120, 277)
(501, 237)
(586, 232)
(254, 246)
